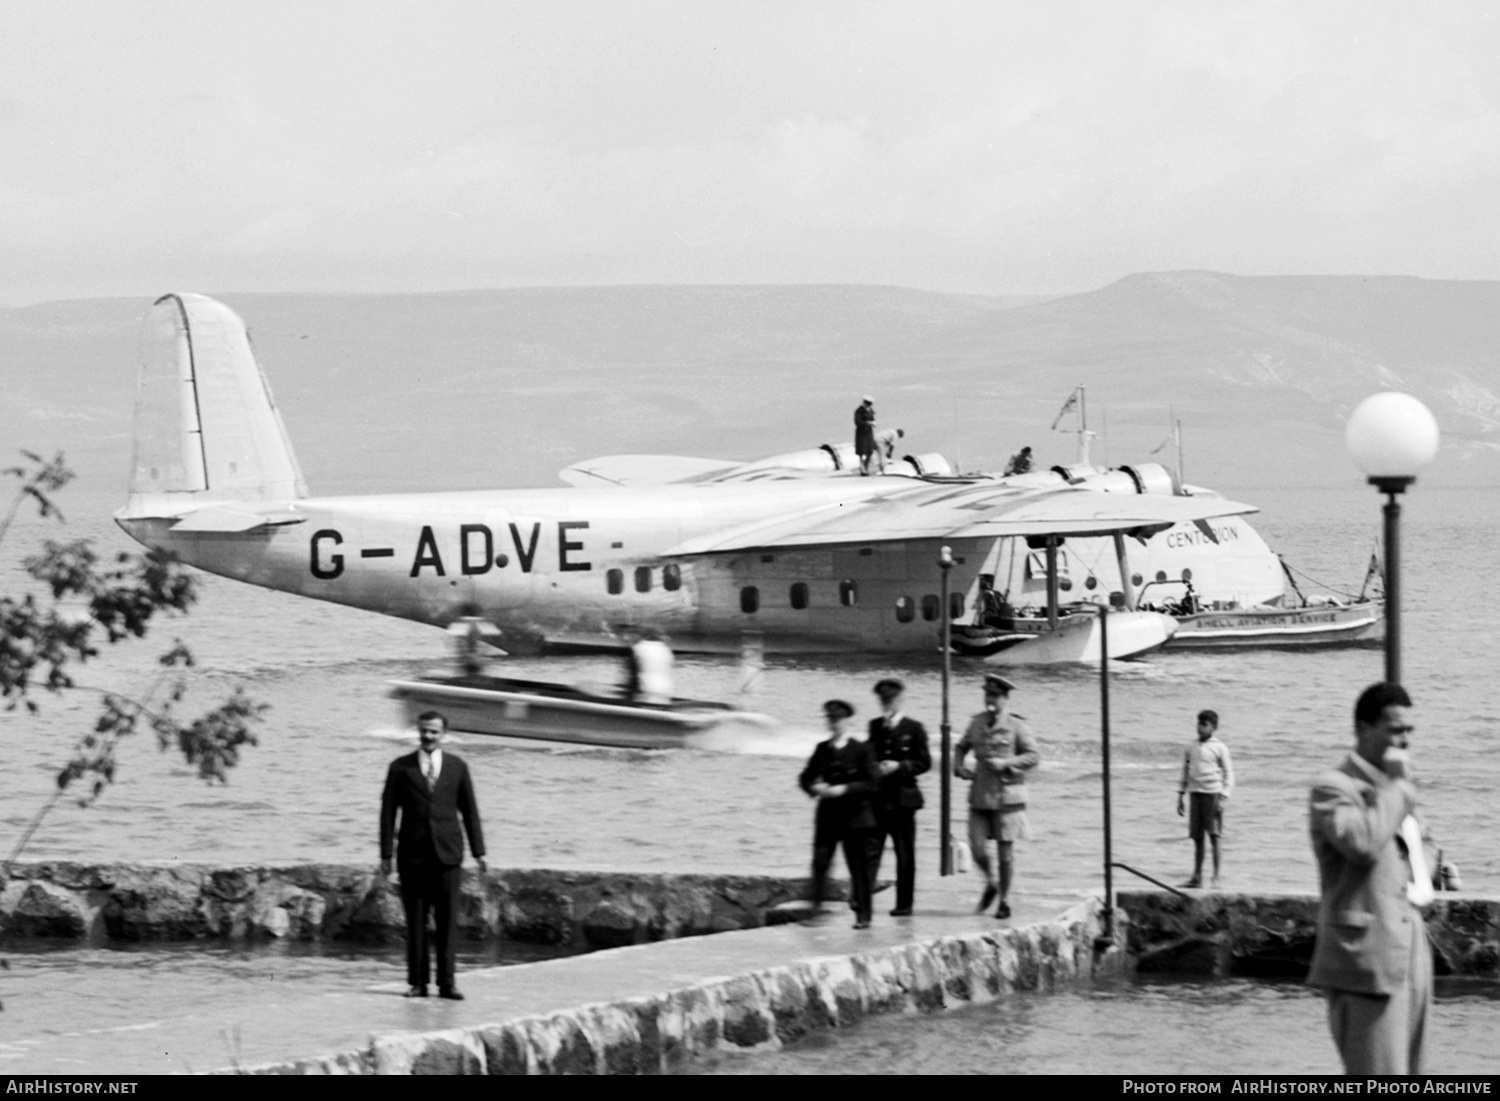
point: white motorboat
(1330, 624)
(1080, 638)
(476, 703)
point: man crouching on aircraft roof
(1004, 752)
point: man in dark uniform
(840, 775)
(864, 433)
(899, 745)
(430, 789)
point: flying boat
(799, 550)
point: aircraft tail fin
(206, 426)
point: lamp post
(945, 837)
(1390, 437)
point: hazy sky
(986, 146)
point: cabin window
(749, 600)
(615, 581)
(848, 593)
(1090, 582)
(643, 579)
(906, 609)
(1187, 575)
(1161, 575)
(931, 606)
(955, 605)
(799, 595)
(1136, 579)
(671, 578)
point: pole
(1052, 542)
(1123, 561)
(1392, 512)
(1392, 486)
(1109, 858)
(945, 833)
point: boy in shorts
(1207, 780)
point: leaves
(94, 604)
(213, 741)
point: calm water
(310, 791)
(1225, 1026)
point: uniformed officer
(899, 745)
(1004, 752)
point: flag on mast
(1063, 412)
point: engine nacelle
(832, 457)
(919, 465)
(1141, 478)
(826, 458)
(1154, 478)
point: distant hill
(503, 388)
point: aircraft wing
(642, 470)
(940, 510)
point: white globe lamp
(1391, 436)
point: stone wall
(100, 903)
(1272, 935)
(753, 1012)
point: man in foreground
(429, 789)
(1372, 955)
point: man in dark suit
(1372, 955)
(430, 789)
(899, 746)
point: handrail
(1152, 879)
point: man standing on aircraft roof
(1004, 752)
(864, 433)
(429, 790)
(1207, 782)
(899, 745)
(1372, 955)
(1020, 463)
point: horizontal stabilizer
(234, 520)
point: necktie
(428, 771)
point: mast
(1078, 397)
(1083, 426)
(1177, 435)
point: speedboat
(477, 703)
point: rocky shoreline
(1271, 935)
(133, 903)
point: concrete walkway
(212, 1015)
